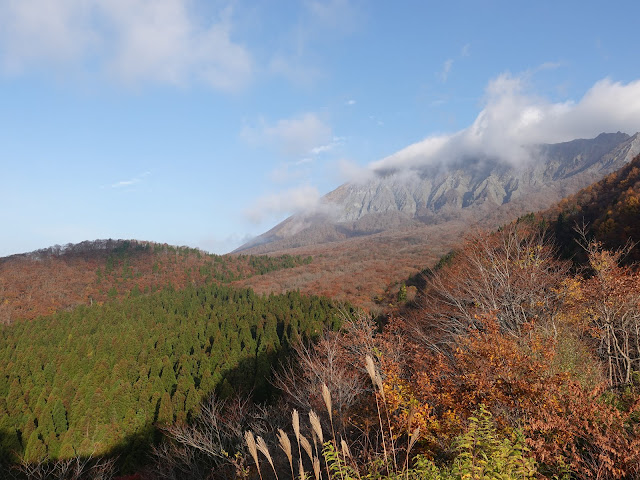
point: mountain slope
(609, 209)
(473, 188)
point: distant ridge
(92, 272)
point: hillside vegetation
(58, 278)
(609, 209)
(507, 365)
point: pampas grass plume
(314, 420)
(326, 395)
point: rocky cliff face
(472, 188)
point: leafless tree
(512, 274)
(337, 361)
(77, 468)
(613, 310)
(207, 448)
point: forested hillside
(609, 209)
(97, 379)
(57, 278)
(507, 366)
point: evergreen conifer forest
(98, 378)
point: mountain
(374, 234)
(470, 189)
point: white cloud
(294, 136)
(287, 172)
(465, 51)
(327, 147)
(513, 119)
(125, 183)
(351, 171)
(350, 102)
(134, 41)
(132, 181)
(446, 69)
(304, 198)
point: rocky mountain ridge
(470, 189)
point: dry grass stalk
(262, 447)
(373, 373)
(412, 413)
(306, 445)
(316, 467)
(314, 420)
(345, 449)
(371, 370)
(413, 438)
(285, 445)
(415, 435)
(301, 470)
(295, 421)
(346, 453)
(380, 387)
(251, 443)
(326, 395)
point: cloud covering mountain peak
(512, 120)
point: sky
(205, 123)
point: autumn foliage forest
(62, 277)
(517, 356)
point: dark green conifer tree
(59, 414)
(165, 410)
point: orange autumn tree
(494, 329)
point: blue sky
(205, 123)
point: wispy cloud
(340, 15)
(222, 245)
(465, 51)
(446, 69)
(295, 136)
(513, 118)
(125, 183)
(301, 168)
(132, 41)
(297, 59)
(327, 147)
(287, 172)
(350, 102)
(132, 181)
(377, 120)
(296, 199)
